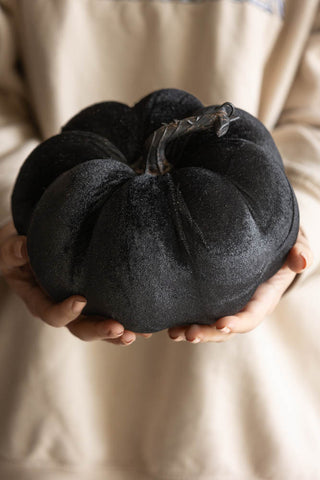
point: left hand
(16, 271)
(263, 302)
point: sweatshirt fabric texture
(246, 409)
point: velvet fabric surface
(184, 246)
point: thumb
(13, 252)
(300, 258)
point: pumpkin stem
(217, 118)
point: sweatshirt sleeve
(18, 134)
(297, 135)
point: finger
(54, 314)
(96, 328)
(300, 257)
(7, 230)
(196, 333)
(242, 322)
(248, 318)
(206, 333)
(178, 333)
(38, 301)
(13, 252)
(263, 302)
(145, 335)
(66, 313)
(126, 339)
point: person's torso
(79, 52)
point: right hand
(16, 270)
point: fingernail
(115, 333)
(177, 339)
(18, 249)
(127, 337)
(224, 329)
(104, 329)
(195, 340)
(304, 260)
(78, 305)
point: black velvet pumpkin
(167, 213)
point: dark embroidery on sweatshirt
(271, 6)
(275, 7)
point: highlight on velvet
(165, 213)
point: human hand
(16, 270)
(263, 302)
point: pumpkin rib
(47, 162)
(65, 224)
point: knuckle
(31, 307)
(58, 315)
(68, 315)
(78, 332)
(34, 313)
(51, 317)
(5, 249)
(126, 344)
(82, 337)
(111, 341)
(52, 321)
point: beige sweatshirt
(242, 410)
